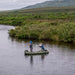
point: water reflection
(59, 44)
(42, 57)
(32, 58)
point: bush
(18, 22)
(66, 32)
(34, 35)
(22, 36)
(12, 32)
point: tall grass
(62, 32)
(47, 24)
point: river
(59, 61)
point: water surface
(60, 60)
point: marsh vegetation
(44, 23)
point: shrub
(12, 32)
(18, 22)
(66, 32)
(34, 35)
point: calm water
(60, 60)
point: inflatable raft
(41, 52)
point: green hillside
(54, 3)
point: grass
(57, 24)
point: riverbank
(55, 26)
(46, 31)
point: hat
(40, 44)
(30, 41)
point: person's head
(30, 41)
(40, 44)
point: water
(60, 60)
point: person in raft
(42, 46)
(31, 46)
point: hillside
(55, 3)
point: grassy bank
(47, 31)
(56, 26)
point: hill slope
(55, 3)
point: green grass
(42, 24)
(47, 31)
